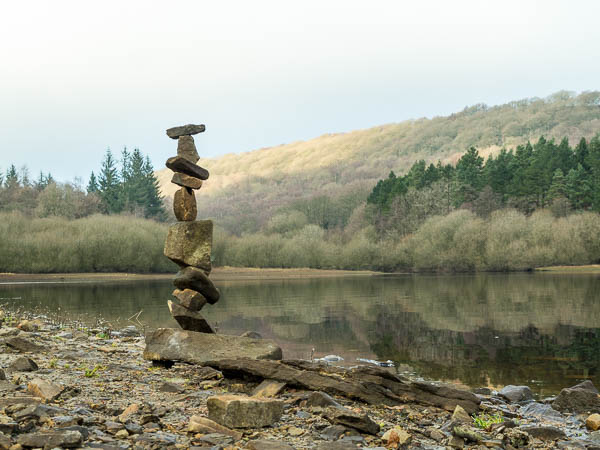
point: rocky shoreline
(70, 386)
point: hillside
(246, 189)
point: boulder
(23, 364)
(268, 389)
(182, 165)
(185, 130)
(593, 422)
(168, 344)
(187, 149)
(199, 424)
(23, 345)
(197, 280)
(192, 300)
(44, 389)
(351, 419)
(516, 393)
(237, 411)
(190, 243)
(460, 415)
(580, 398)
(51, 439)
(189, 320)
(184, 205)
(183, 180)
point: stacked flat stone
(189, 241)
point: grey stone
(187, 149)
(337, 445)
(204, 425)
(540, 410)
(168, 344)
(321, 399)
(333, 432)
(182, 165)
(23, 364)
(237, 411)
(190, 244)
(184, 205)
(516, 393)
(197, 280)
(586, 385)
(577, 401)
(192, 300)
(171, 387)
(185, 130)
(264, 444)
(23, 345)
(189, 320)
(216, 439)
(183, 180)
(545, 433)
(51, 439)
(348, 418)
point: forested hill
(337, 171)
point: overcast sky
(78, 77)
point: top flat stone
(185, 130)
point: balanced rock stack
(189, 241)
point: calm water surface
(538, 329)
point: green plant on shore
(52, 363)
(485, 421)
(90, 373)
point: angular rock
(216, 440)
(337, 445)
(183, 180)
(199, 424)
(516, 393)
(187, 149)
(23, 345)
(185, 130)
(396, 437)
(333, 432)
(196, 280)
(184, 205)
(192, 300)
(593, 422)
(545, 433)
(171, 387)
(49, 439)
(23, 364)
(130, 411)
(460, 415)
(189, 320)
(182, 165)
(348, 418)
(168, 344)
(586, 385)
(577, 400)
(321, 399)
(190, 244)
(44, 389)
(237, 411)
(268, 389)
(264, 444)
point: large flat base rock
(169, 344)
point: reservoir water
(538, 329)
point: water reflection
(489, 329)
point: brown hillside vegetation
(246, 189)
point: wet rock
(516, 393)
(189, 244)
(264, 444)
(23, 364)
(169, 344)
(44, 389)
(236, 411)
(581, 398)
(545, 433)
(268, 389)
(396, 437)
(199, 424)
(593, 422)
(351, 419)
(182, 165)
(196, 280)
(460, 415)
(184, 205)
(252, 335)
(183, 180)
(24, 345)
(192, 300)
(185, 130)
(187, 149)
(49, 439)
(540, 410)
(171, 387)
(189, 320)
(321, 399)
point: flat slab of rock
(238, 411)
(197, 280)
(185, 130)
(182, 165)
(190, 244)
(189, 320)
(263, 444)
(23, 364)
(184, 205)
(192, 300)
(545, 433)
(187, 149)
(348, 418)
(169, 344)
(49, 439)
(23, 345)
(199, 424)
(183, 180)
(44, 389)
(268, 389)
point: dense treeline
(132, 188)
(536, 176)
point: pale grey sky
(77, 77)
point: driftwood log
(372, 385)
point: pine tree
(92, 186)
(154, 204)
(109, 186)
(558, 188)
(12, 178)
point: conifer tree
(92, 186)
(109, 186)
(12, 178)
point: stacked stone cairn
(189, 241)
